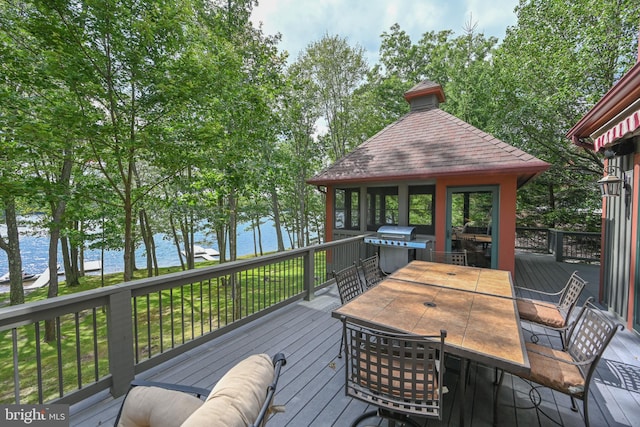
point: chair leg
(498, 385)
(574, 406)
(340, 351)
(586, 409)
(364, 417)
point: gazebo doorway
(471, 213)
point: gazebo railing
(565, 245)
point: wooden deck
(312, 383)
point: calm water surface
(34, 249)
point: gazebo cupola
(424, 96)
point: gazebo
(430, 170)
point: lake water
(34, 249)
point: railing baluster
(59, 351)
(193, 326)
(200, 286)
(160, 322)
(38, 361)
(135, 330)
(182, 312)
(78, 350)
(16, 372)
(173, 325)
(96, 361)
(149, 340)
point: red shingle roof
(426, 144)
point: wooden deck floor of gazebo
(312, 383)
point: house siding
(617, 253)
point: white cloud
(361, 22)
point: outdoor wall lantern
(612, 184)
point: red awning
(624, 127)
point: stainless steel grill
(396, 245)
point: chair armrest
(520, 288)
(279, 361)
(198, 391)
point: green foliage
(185, 110)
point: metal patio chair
(349, 287)
(371, 271)
(349, 284)
(569, 371)
(551, 312)
(399, 373)
(454, 257)
(243, 396)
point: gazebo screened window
(347, 209)
(382, 207)
(422, 208)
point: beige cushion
(157, 407)
(559, 375)
(540, 312)
(237, 398)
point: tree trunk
(176, 242)
(12, 247)
(70, 267)
(147, 240)
(276, 218)
(154, 255)
(187, 238)
(58, 206)
(129, 257)
(235, 282)
(260, 237)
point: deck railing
(565, 245)
(68, 348)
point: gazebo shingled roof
(427, 143)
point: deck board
(312, 383)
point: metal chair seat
(554, 311)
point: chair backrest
(398, 372)
(589, 337)
(349, 285)
(570, 294)
(371, 271)
(457, 258)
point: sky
(361, 22)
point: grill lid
(397, 232)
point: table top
(473, 279)
(480, 326)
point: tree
(552, 67)
(334, 70)
(461, 65)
